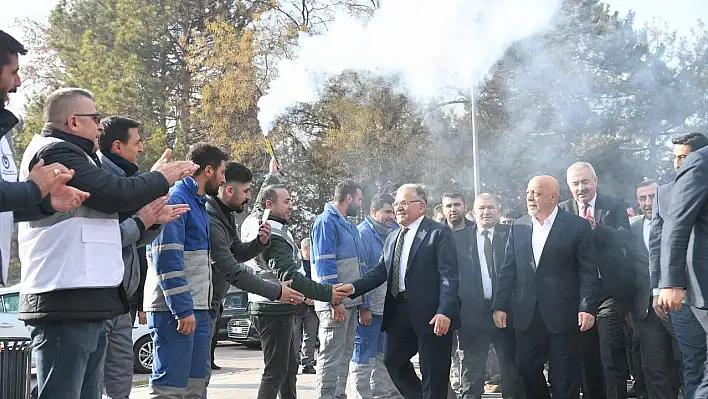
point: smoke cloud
(434, 48)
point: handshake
(341, 291)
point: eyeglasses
(95, 116)
(405, 203)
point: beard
(238, 207)
(352, 210)
(211, 188)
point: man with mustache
(550, 279)
(480, 252)
(227, 250)
(178, 285)
(338, 256)
(689, 332)
(604, 347)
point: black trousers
(634, 359)
(604, 354)
(656, 343)
(433, 354)
(474, 343)
(536, 345)
(279, 355)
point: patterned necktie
(586, 208)
(396, 264)
(489, 254)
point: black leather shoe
(215, 367)
(308, 370)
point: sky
(679, 15)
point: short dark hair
(694, 140)
(115, 128)
(9, 46)
(379, 200)
(268, 193)
(344, 188)
(204, 155)
(237, 173)
(455, 195)
(647, 182)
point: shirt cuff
(655, 291)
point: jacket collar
(126, 166)
(110, 166)
(380, 229)
(8, 120)
(85, 144)
(190, 185)
(332, 210)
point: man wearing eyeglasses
(72, 262)
(421, 307)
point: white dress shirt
(486, 279)
(646, 228)
(540, 234)
(407, 244)
(591, 207)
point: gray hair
(58, 106)
(581, 165)
(487, 196)
(418, 189)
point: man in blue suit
(419, 266)
(684, 243)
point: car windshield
(235, 301)
(12, 303)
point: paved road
(240, 376)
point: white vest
(8, 173)
(76, 249)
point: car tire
(143, 355)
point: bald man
(549, 268)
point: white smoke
(433, 46)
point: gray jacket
(228, 253)
(133, 236)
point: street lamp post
(475, 144)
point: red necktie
(585, 210)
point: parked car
(240, 329)
(10, 326)
(235, 302)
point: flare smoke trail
(448, 44)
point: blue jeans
(702, 317)
(692, 342)
(369, 340)
(179, 367)
(70, 358)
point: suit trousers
(433, 353)
(474, 344)
(702, 317)
(534, 346)
(657, 349)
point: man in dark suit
(689, 332)
(549, 275)
(604, 346)
(421, 307)
(480, 252)
(684, 264)
(656, 341)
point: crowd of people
(573, 296)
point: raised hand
(274, 167)
(65, 198)
(170, 213)
(175, 171)
(165, 158)
(264, 233)
(46, 177)
(148, 213)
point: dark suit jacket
(432, 278)
(683, 265)
(640, 255)
(471, 290)
(660, 206)
(612, 238)
(565, 281)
